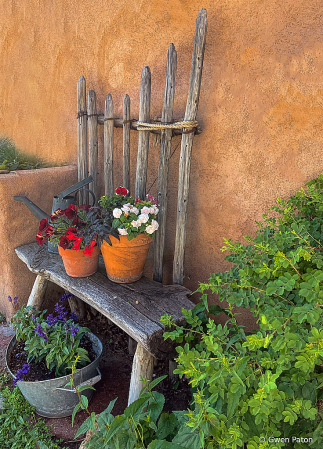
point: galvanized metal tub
(53, 398)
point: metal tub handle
(88, 382)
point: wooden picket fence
(89, 119)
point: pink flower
(154, 224)
(150, 229)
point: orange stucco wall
(261, 102)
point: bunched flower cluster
(71, 228)
(55, 339)
(131, 217)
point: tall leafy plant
(261, 389)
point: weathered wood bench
(136, 308)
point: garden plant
(251, 389)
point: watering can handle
(93, 196)
(88, 382)
(76, 186)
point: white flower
(143, 218)
(145, 210)
(117, 213)
(156, 210)
(150, 229)
(135, 224)
(134, 210)
(123, 231)
(125, 208)
(154, 224)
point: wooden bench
(136, 308)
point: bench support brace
(142, 365)
(38, 292)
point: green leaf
(156, 381)
(155, 407)
(166, 425)
(158, 444)
(188, 439)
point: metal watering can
(60, 201)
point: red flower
(121, 191)
(138, 200)
(64, 242)
(57, 213)
(152, 200)
(40, 238)
(77, 244)
(70, 235)
(88, 249)
(49, 231)
(43, 224)
(71, 211)
(72, 229)
(85, 207)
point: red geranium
(40, 239)
(138, 200)
(88, 249)
(43, 225)
(71, 211)
(122, 191)
(77, 242)
(64, 242)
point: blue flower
(9, 299)
(51, 319)
(61, 312)
(74, 330)
(40, 332)
(19, 374)
(73, 316)
(66, 296)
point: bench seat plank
(136, 308)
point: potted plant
(41, 354)
(135, 221)
(76, 231)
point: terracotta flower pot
(125, 260)
(79, 265)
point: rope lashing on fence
(177, 125)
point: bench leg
(38, 291)
(132, 345)
(143, 365)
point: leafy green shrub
(19, 426)
(262, 388)
(13, 159)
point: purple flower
(73, 316)
(15, 299)
(9, 299)
(33, 317)
(51, 319)
(19, 374)
(74, 330)
(61, 312)
(40, 332)
(66, 296)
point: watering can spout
(39, 214)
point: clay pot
(125, 260)
(79, 265)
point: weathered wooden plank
(142, 365)
(93, 142)
(165, 148)
(108, 146)
(118, 123)
(143, 137)
(132, 346)
(186, 146)
(126, 142)
(136, 312)
(82, 136)
(38, 291)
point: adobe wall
(260, 105)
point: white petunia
(123, 231)
(134, 210)
(154, 224)
(125, 208)
(117, 213)
(145, 210)
(150, 229)
(135, 224)
(143, 218)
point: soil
(39, 371)
(115, 366)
